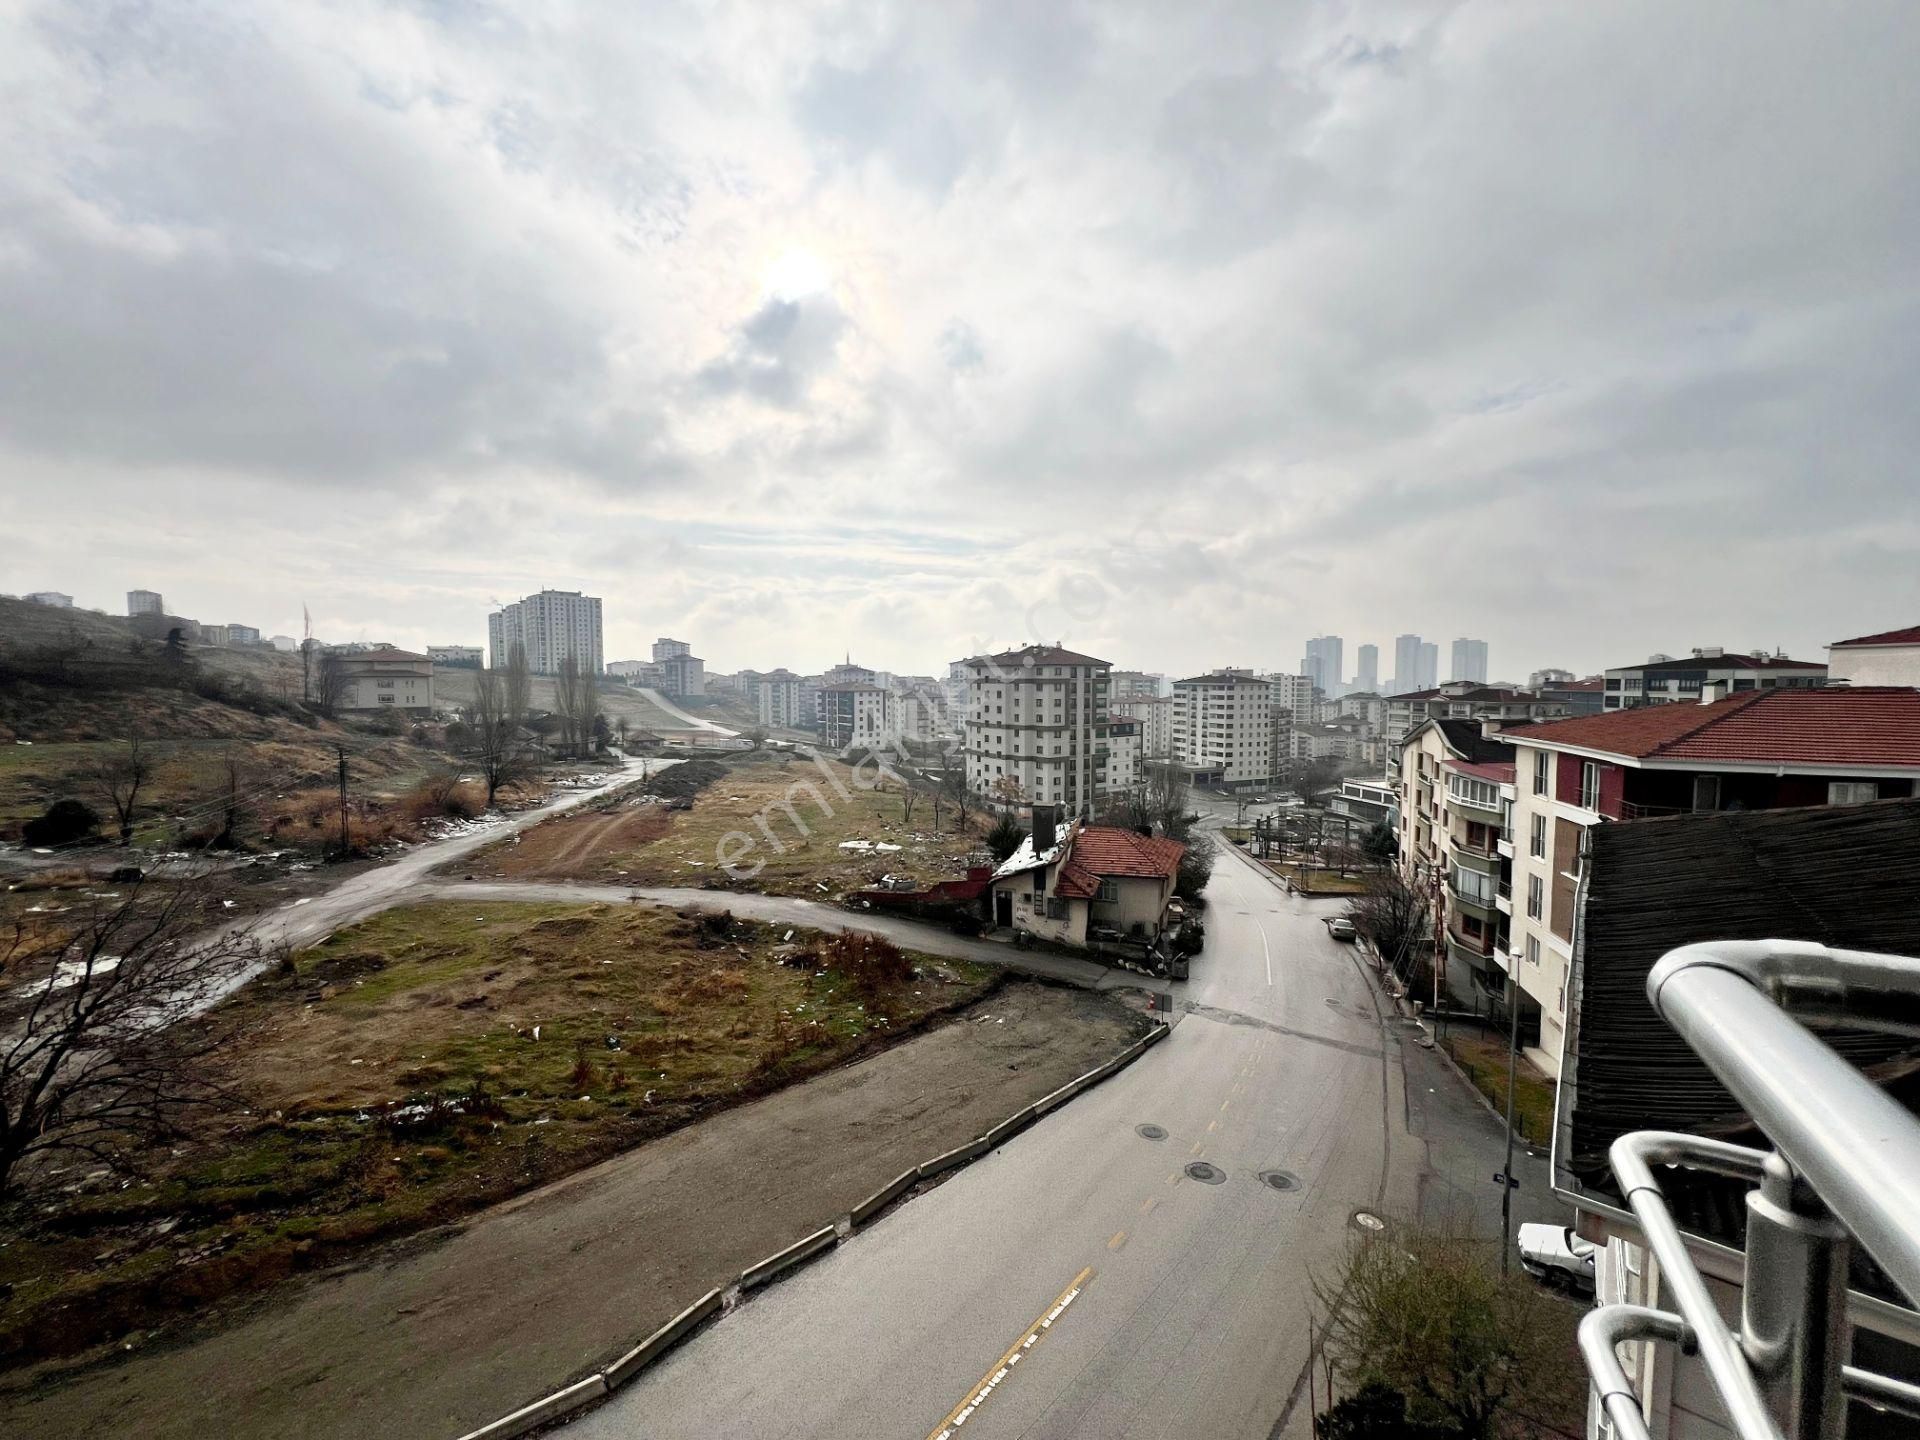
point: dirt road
(435, 1337)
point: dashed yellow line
(1212, 1125)
(1174, 1178)
(1147, 1205)
(1198, 1146)
(1119, 1239)
(991, 1381)
(1225, 1103)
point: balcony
(1503, 898)
(1481, 906)
(1503, 847)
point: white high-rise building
(1034, 716)
(1470, 661)
(1323, 664)
(779, 697)
(1155, 715)
(551, 625)
(1304, 700)
(145, 602)
(1222, 726)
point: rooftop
(1222, 677)
(1908, 636)
(1480, 694)
(1036, 655)
(1730, 660)
(1090, 852)
(1500, 772)
(1861, 725)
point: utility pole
(342, 751)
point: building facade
(856, 716)
(1323, 664)
(1366, 674)
(1464, 702)
(779, 700)
(145, 602)
(1665, 682)
(1033, 726)
(1299, 696)
(1891, 657)
(460, 657)
(1222, 727)
(53, 598)
(243, 635)
(551, 626)
(1155, 715)
(1756, 750)
(385, 680)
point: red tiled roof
(1103, 850)
(1484, 770)
(1861, 725)
(1036, 655)
(1908, 636)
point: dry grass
(1484, 1059)
(797, 852)
(434, 1060)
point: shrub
(1005, 837)
(875, 967)
(65, 822)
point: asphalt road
(1172, 1305)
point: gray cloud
(1461, 319)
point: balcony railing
(1844, 1167)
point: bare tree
(494, 724)
(1392, 916)
(953, 782)
(1315, 777)
(1009, 792)
(119, 778)
(519, 696)
(909, 801)
(99, 1050)
(329, 683)
(235, 781)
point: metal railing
(1845, 1169)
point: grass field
(641, 843)
(1313, 880)
(431, 1061)
(1484, 1059)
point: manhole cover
(1151, 1132)
(1206, 1174)
(1367, 1221)
(1279, 1180)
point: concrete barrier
(559, 1404)
(884, 1196)
(822, 1239)
(661, 1340)
(1156, 1035)
(1066, 1092)
(959, 1155)
(1010, 1127)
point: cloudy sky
(1179, 332)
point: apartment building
(1300, 696)
(1455, 789)
(1469, 661)
(1369, 800)
(1322, 664)
(1155, 716)
(1761, 749)
(1664, 681)
(1124, 767)
(459, 657)
(53, 598)
(1222, 728)
(385, 679)
(1033, 722)
(215, 635)
(551, 626)
(681, 674)
(778, 697)
(1464, 701)
(856, 717)
(243, 635)
(1137, 685)
(1891, 657)
(145, 602)
(1580, 697)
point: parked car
(1557, 1256)
(1341, 928)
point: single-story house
(1087, 883)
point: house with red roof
(1891, 657)
(1758, 749)
(1087, 884)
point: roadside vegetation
(1431, 1340)
(1482, 1055)
(424, 1064)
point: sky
(1177, 333)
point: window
(1537, 840)
(1533, 949)
(1590, 785)
(1109, 891)
(1706, 792)
(1542, 763)
(1536, 897)
(1852, 792)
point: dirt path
(438, 1336)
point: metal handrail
(1846, 1156)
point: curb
(662, 1340)
(597, 1387)
(825, 1238)
(560, 1403)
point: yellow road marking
(1212, 1125)
(1225, 1103)
(1174, 1178)
(1147, 1207)
(1198, 1146)
(1119, 1239)
(977, 1396)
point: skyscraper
(551, 625)
(1429, 675)
(1469, 661)
(1323, 663)
(1367, 677)
(1406, 664)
